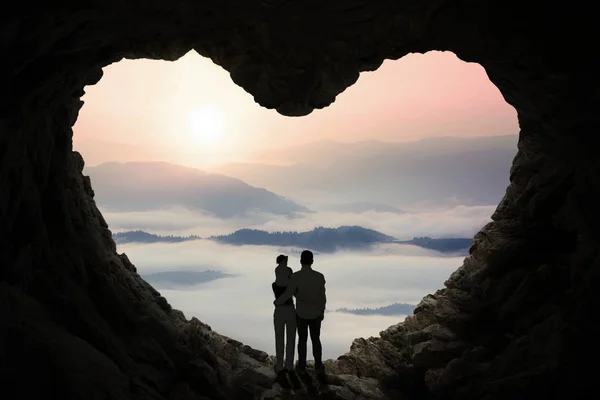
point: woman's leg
(279, 324)
(290, 345)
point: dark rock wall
(516, 320)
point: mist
(458, 221)
(238, 302)
(241, 305)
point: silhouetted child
(284, 317)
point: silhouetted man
(308, 286)
(284, 317)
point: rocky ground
(249, 373)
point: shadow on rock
(284, 382)
(295, 382)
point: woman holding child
(284, 317)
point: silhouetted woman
(284, 317)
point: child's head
(282, 272)
(282, 260)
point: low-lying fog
(456, 221)
(240, 305)
(229, 287)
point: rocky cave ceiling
(516, 320)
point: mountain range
(433, 171)
(369, 176)
(320, 239)
(147, 186)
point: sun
(205, 125)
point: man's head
(282, 259)
(306, 258)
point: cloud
(241, 306)
(463, 221)
(182, 279)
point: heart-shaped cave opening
(177, 161)
(78, 320)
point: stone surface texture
(517, 320)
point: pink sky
(140, 110)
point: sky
(189, 111)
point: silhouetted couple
(308, 286)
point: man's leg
(302, 327)
(279, 324)
(290, 345)
(315, 338)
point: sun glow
(205, 125)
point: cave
(516, 320)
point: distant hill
(145, 237)
(145, 186)
(392, 309)
(434, 171)
(443, 245)
(175, 279)
(321, 239)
